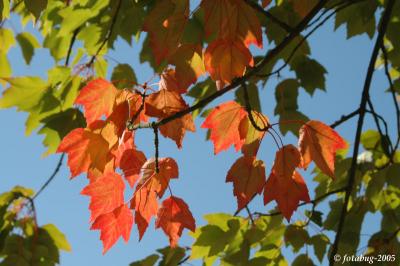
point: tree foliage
(199, 51)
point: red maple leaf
(106, 193)
(98, 99)
(114, 224)
(131, 164)
(173, 216)
(151, 185)
(85, 150)
(164, 103)
(285, 185)
(224, 121)
(227, 59)
(248, 177)
(231, 20)
(177, 128)
(319, 142)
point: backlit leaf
(173, 216)
(319, 142)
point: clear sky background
(202, 175)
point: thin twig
(314, 202)
(71, 44)
(344, 118)
(52, 176)
(300, 43)
(363, 105)
(249, 111)
(271, 54)
(156, 143)
(393, 93)
(250, 214)
(376, 118)
(108, 36)
(269, 16)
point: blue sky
(202, 174)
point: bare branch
(393, 93)
(344, 118)
(108, 36)
(269, 16)
(52, 176)
(363, 104)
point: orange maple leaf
(173, 216)
(177, 128)
(285, 185)
(224, 121)
(85, 150)
(106, 193)
(98, 99)
(114, 224)
(169, 81)
(164, 103)
(248, 177)
(131, 164)
(232, 20)
(227, 59)
(151, 186)
(165, 24)
(319, 142)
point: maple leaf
(285, 185)
(319, 142)
(98, 98)
(165, 24)
(131, 164)
(224, 121)
(303, 7)
(232, 20)
(106, 193)
(169, 81)
(145, 204)
(226, 60)
(253, 137)
(248, 177)
(164, 103)
(151, 186)
(85, 150)
(173, 216)
(189, 65)
(177, 128)
(114, 224)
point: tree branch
(313, 202)
(71, 44)
(363, 105)
(109, 33)
(393, 93)
(249, 111)
(271, 54)
(344, 118)
(52, 176)
(269, 16)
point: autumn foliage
(106, 145)
(202, 52)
